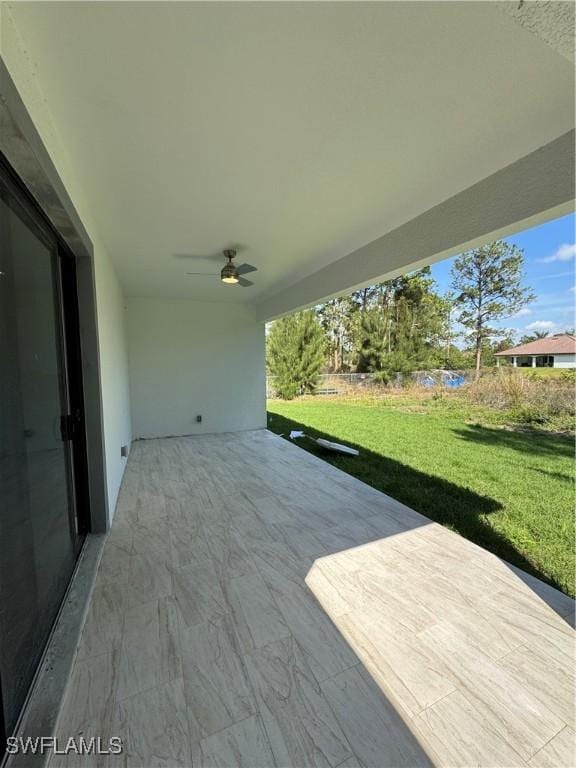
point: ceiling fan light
(228, 273)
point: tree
(296, 348)
(507, 341)
(453, 358)
(336, 318)
(370, 296)
(402, 324)
(488, 285)
(373, 341)
(536, 336)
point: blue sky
(549, 262)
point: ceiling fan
(230, 273)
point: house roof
(561, 344)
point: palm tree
(536, 336)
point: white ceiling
(300, 131)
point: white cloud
(566, 252)
(548, 303)
(523, 312)
(554, 275)
(541, 325)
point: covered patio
(254, 606)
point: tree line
(404, 324)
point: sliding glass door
(39, 533)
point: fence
(342, 383)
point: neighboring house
(557, 351)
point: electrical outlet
(124, 451)
(199, 418)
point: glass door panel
(38, 542)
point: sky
(549, 263)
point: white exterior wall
(188, 358)
(564, 361)
(113, 372)
(109, 301)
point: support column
(514, 361)
(533, 361)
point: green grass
(548, 373)
(511, 492)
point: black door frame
(30, 154)
(25, 150)
(68, 322)
(74, 426)
(63, 265)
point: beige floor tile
(88, 709)
(298, 720)
(216, 687)
(559, 602)
(227, 551)
(459, 735)
(375, 731)
(525, 616)
(505, 703)
(330, 589)
(551, 683)
(154, 726)
(152, 537)
(325, 649)
(347, 535)
(410, 674)
(198, 594)
(150, 578)
(352, 762)
(102, 632)
(274, 560)
(114, 565)
(243, 745)
(560, 752)
(150, 653)
(443, 600)
(257, 620)
(300, 538)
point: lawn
(509, 491)
(548, 373)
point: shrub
(530, 399)
(296, 352)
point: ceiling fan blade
(204, 274)
(244, 283)
(244, 269)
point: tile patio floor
(257, 607)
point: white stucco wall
(111, 331)
(188, 358)
(113, 372)
(564, 361)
